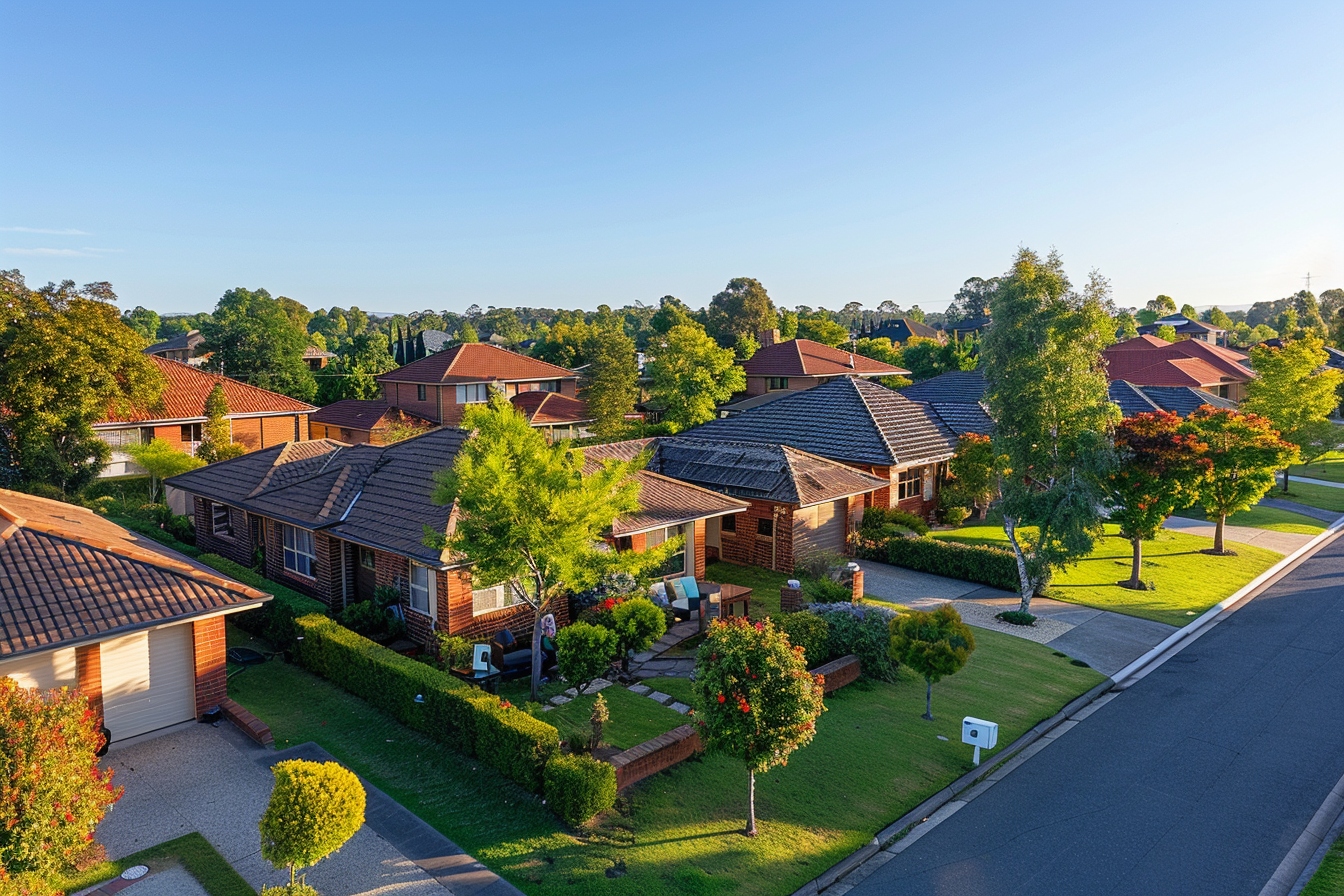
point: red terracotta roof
(476, 362)
(186, 391)
(1149, 361)
(1138, 343)
(543, 408)
(352, 413)
(803, 357)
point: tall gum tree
(1296, 392)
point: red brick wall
(745, 547)
(89, 676)
(247, 432)
(207, 636)
(238, 548)
(652, 756)
(403, 395)
(326, 582)
(275, 430)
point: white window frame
(225, 530)
(473, 393)
(493, 598)
(422, 596)
(911, 481)
(295, 540)
(658, 536)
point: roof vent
(851, 360)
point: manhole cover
(135, 872)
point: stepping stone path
(594, 686)
(653, 664)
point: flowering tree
(1158, 467)
(52, 792)
(755, 700)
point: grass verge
(1330, 467)
(1271, 518)
(192, 851)
(1329, 878)
(1322, 496)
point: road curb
(1310, 847)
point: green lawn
(1322, 496)
(1271, 518)
(634, 719)
(678, 832)
(192, 851)
(1188, 582)
(1329, 878)
(1330, 468)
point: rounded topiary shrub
(584, 652)
(314, 809)
(579, 787)
(808, 631)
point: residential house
(800, 364)
(358, 422)
(558, 416)
(1193, 363)
(1187, 329)
(858, 423)
(139, 629)
(1179, 400)
(971, 326)
(901, 329)
(796, 503)
(317, 358)
(182, 348)
(257, 418)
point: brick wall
(403, 395)
(247, 432)
(89, 676)
(237, 548)
(746, 548)
(275, 430)
(652, 756)
(325, 585)
(207, 637)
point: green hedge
(579, 787)
(275, 620)
(466, 719)
(969, 562)
(151, 530)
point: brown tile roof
(1149, 361)
(179, 343)
(803, 357)
(543, 408)
(187, 389)
(354, 413)
(663, 501)
(69, 575)
(475, 362)
(626, 450)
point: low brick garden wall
(653, 756)
(837, 673)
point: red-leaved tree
(1158, 467)
(52, 792)
(755, 699)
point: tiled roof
(955, 385)
(626, 450)
(666, 502)
(435, 340)
(963, 417)
(187, 389)
(1184, 401)
(1130, 398)
(1181, 324)
(179, 343)
(313, 352)
(902, 328)
(234, 481)
(353, 413)
(803, 357)
(846, 419)
(68, 575)
(763, 471)
(475, 362)
(1149, 361)
(543, 408)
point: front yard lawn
(1323, 496)
(634, 719)
(192, 851)
(1187, 582)
(677, 832)
(1330, 468)
(1271, 518)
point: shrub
(455, 651)
(969, 562)
(819, 565)
(808, 631)
(638, 622)
(314, 809)
(934, 644)
(579, 787)
(452, 713)
(1016, 617)
(373, 618)
(827, 591)
(298, 888)
(884, 522)
(52, 790)
(275, 620)
(956, 515)
(153, 531)
(584, 652)
(860, 629)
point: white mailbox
(979, 733)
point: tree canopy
(255, 338)
(742, 309)
(691, 375)
(613, 379)
(934, 644)
(1297, 393)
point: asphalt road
(1196, 780)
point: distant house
(800, 364)
(139, 629)
(1193, 363)
(1187, 329)
(316, 358)
(555, 414)
(1179, 400)
(957, 397)
(436, 340)
(858, 423)
(258, 418)
(971, 326)
(358, 422)
(901, 329)
(180, 348)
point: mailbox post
(979, 733)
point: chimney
(768, 337)
(851, 360)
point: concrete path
(1283, 542)
(1195, 781)
(1307, 479)
(1325, 516)
(652, 663)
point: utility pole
(1308, 279)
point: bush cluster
(860, 629)
(579, 787)
(455, 651)
(809, 631)
(275, 620)
(969, 562)
(884, 522)
(827, 591)
(584, 652)
(373, 618)
(168, 537)
(464, 718)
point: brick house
(335, 521)
(258, 418)
(1189, 363)
(358, 422)
(800, 364)
(184, 347)
(137, 628)
(858, 423)
(796, 503)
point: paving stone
(559, 700)
(680, 707)
(547, 708)
(572, 692)
(646, 673)
(643, 657)
(640, 689)
(596, 685)
(660, 697)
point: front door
(366, 574)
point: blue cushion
(678, 589)
(688, 582)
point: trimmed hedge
(275, 620)
(579, 787)
(152, 531)
(978, 563)
(465, 718)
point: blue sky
(409, 156)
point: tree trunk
(928, 699)
(536, 654)
(1285, 481)
(751, 804)
(1218, 534)
(1010, 527)
(1134, 581)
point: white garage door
(46, 670)
(148, 681)
(820, 528)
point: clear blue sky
(410, 156)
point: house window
(420, 392)
(220, 521)
(765, 527)
(496, 597)
(146, 435)
(366, 558)
(346, 435)
(776, 383)
(728, 523)
(422, 586)
(473, 393)
(909, 484)
(676, 564)
(191, 432)
(299, 556)
(549, 386)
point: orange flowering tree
(754, 698)
(52, 792)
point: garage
(820, 528)
(149, 681)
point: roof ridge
(684, 484)
(335, 493)
(891, 449)
(802, 359)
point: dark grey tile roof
(235, 481)
(436, 340)
(1183, 400)
(762, 471)
(963, 417)
(847, 419)
(1130, 398)
(966, 386)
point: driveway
(216, 781)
